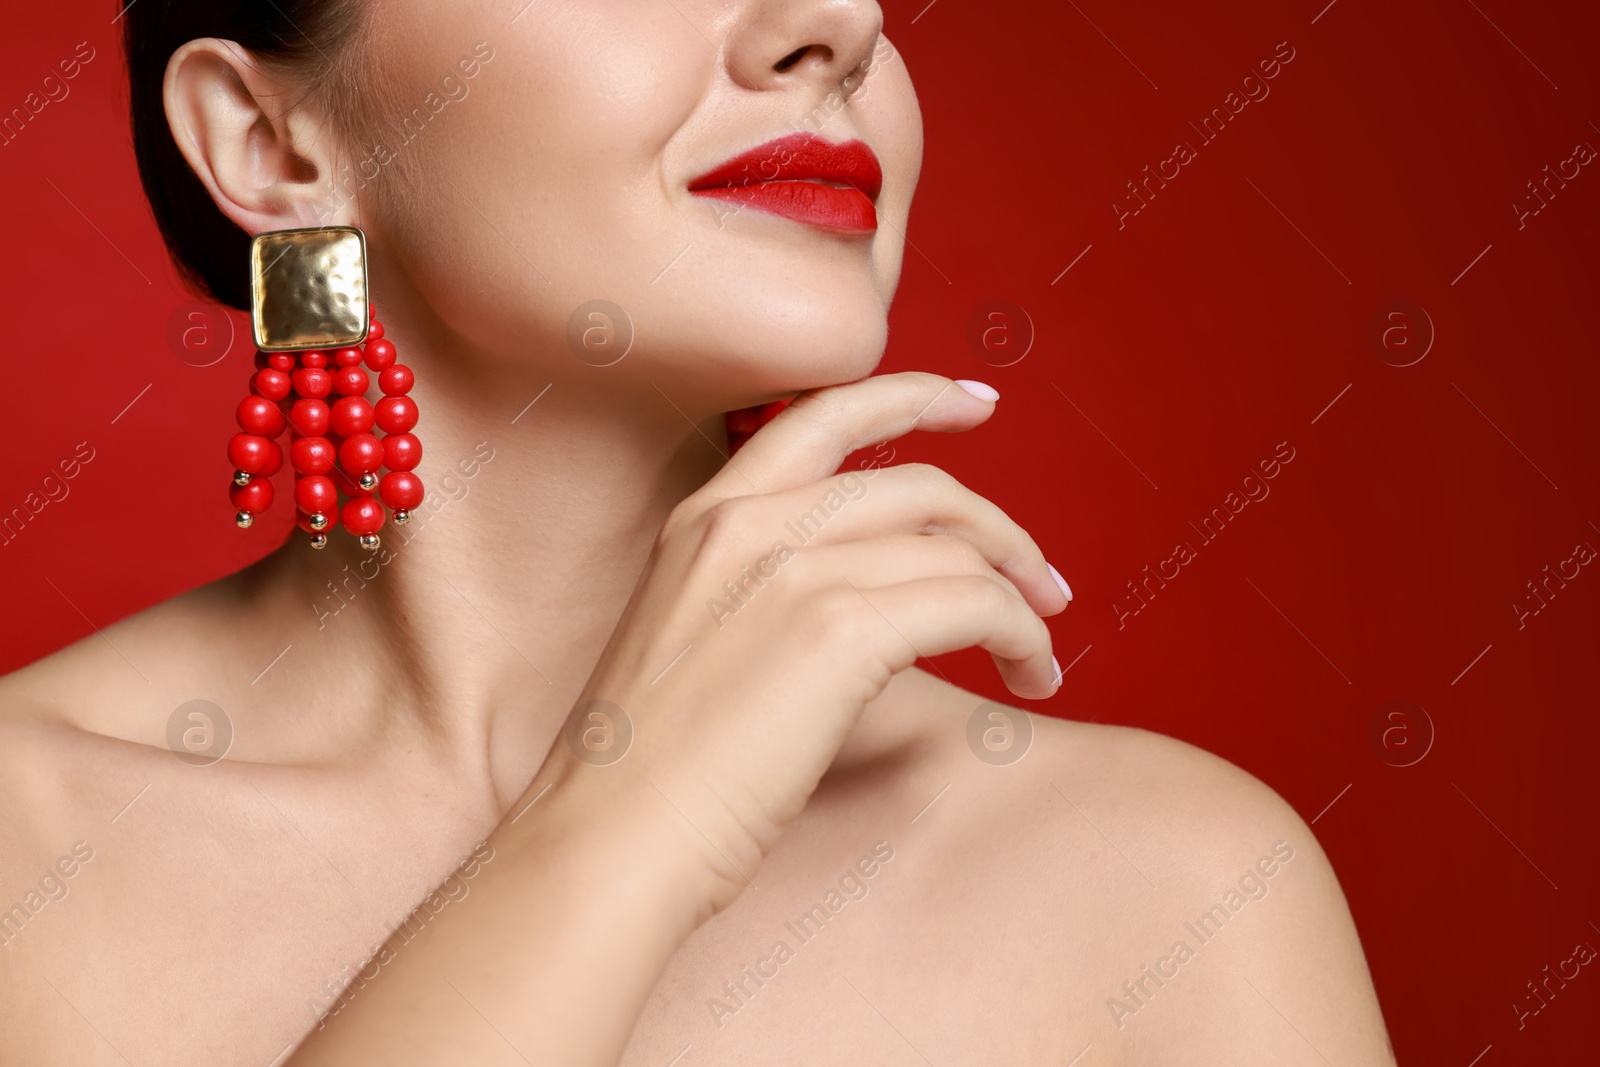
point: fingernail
(1066, 590)
(1055, 670)
(979, 390)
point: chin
(774, 346)
(797, 323)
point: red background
(1196, 337)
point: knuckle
(728, 525)
(960, 556)
(839, 614)
(998, 600)
(684, 514)
(993, 602)
(928, 477)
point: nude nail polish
(979, 390)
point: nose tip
(819, 41)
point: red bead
(362, 515)
(380, 354)
(255, 496)
(272, 384)
(283, 361)
(350, 381)
(309, 417)
(274, 461)
(402, 451)
(311, 455)
(250, 452)
(312, 382)
(401, 489)
(303, 520)
(361, 453)
(316, 492)
(347, 357)
(351, 416)
(375, 330)
(314, 359)
(397, 380)
(258, 415)
(395, 414)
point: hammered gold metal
(309, 288)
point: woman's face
(533, 162)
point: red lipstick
(802, 177)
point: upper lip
(799, 157)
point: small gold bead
(319, 540)
(318, 521)
(369, 542)
(244, 519)
(401, 517)
(368, 481)
(241, 478)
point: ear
(264, 161)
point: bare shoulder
(1248, 949)
(44, 753)
(69, 716)
(1243, 946)
(1172, 903)
(57, 786)
(82, 734)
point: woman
(653, 757)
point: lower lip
(823, 206)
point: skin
(420, 724)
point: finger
(808, 440)
(892, 560)
(932, 616)
(911, 498)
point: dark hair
(307, 37)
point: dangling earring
(309, 299)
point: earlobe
(232, 121)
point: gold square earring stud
(308, 288)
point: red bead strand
(395, 415)
(334, 448)
(255, 456)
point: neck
(484, 615)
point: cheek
(543, 186)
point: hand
(780, 599)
